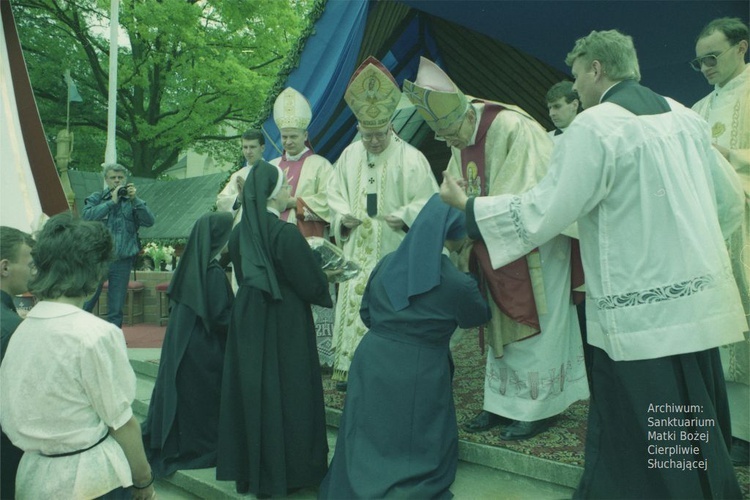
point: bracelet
(145, 485)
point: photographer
(123, 213)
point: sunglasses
(709, 61)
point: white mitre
(291, 110)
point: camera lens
(122, 192)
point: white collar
(605, 92)
(274, 211)
(47, 309)
(296, 157)
(735, 82)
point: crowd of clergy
(605, 260)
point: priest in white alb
(721, 50)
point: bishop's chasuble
(532, 372)
(515, 154)
(401, 181)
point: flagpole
(67, 120)
(110, 153)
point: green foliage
(188, 72)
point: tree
(191, 73)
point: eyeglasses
(375, 135)
(710, 60)
(454, 134)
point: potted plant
(160, 254)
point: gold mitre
(372, 94)
(435, 96)
(291, 110)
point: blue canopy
(504, 49)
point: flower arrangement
(159, 254)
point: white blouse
(65, 379)
(648, 193)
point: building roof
(177, 204)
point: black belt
(56, 455)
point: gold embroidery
(718, 129)
(474, 187)
(734, 142)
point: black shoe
(484, 421)
(341, 386)
(524, 430)
(740, 452)
(242, 487)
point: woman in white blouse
(67, 385)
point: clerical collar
(604, 94)
(296, 157)
(273, 211)
(639, 100)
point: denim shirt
(122, 219)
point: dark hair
(252, 134)
(562, 89)
(11, 240)
(71, 257)
(732, 27)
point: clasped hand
(453, 191)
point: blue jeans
(118, 276)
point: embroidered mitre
(291, 110)
(435, 96)
(372, 94)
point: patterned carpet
(563, 442)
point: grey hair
(614, 50)
(108, 167)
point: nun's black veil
(263, 182)
(188, 287)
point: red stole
(472, 157)
(510, 286)
(292, 169)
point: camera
(122, 192)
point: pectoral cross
(372, 195)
